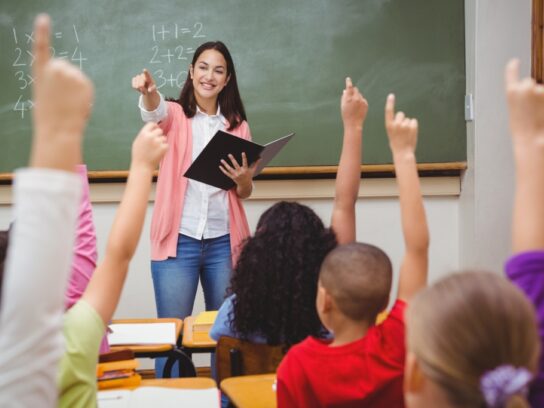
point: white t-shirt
(35, 276)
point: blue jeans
(175, 280)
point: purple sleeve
(526, 270)
(85, 254)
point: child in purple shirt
(526, 267)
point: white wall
(378, 222)
(497, 30)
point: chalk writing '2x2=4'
(23, 59)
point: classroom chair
(236, 357)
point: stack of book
(117, 369)
(201, 326)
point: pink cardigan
(171, 187)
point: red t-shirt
(365, 373)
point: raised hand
(149, 147)
(401, 131)
(526, 109)
(402, 134)
(525, 105)
(353, 105)
(63, 98)
(354, 108)
(144, 83)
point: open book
(145, 397)
(205, 168)
(142, 333)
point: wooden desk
(205, 346)
(171, 351)
(251, 391)
(195, 383)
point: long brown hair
(232, 107)
(469, 324)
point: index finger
(390, 108)
(147, 75)
(349, 86)
(40, 47)
(511, 72)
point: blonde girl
(472, 342)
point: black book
(205, 168)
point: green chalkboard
(291, 58)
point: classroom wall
(496, 30)
(378, 222)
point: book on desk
(141, 333)
(202, 325)
(145, 397)
(117, 373)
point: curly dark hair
(275, 279)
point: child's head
(472, 342)
(275, 279)
(355, 280)
(227, 93)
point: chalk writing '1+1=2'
(173, 54)
(23, 59)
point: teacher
(196, 228)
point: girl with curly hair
(273, 288)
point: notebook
(142, 333)
(205, 168)
(145, 397)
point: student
(85, 253)
(85, 322)
(472, 342)
(196, 228)
(363, 364)
(46, 199)
(526, 267)
(274, 283)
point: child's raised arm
(107, 282)
(40, 251)
(354, 108)
(526, 267)
(63, 98)
(526, 107)
(402, 133)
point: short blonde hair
(467, 325)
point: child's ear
(414, 378)
(323, 300)
(191, 71)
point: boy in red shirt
(363, 365)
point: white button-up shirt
(206, 208)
